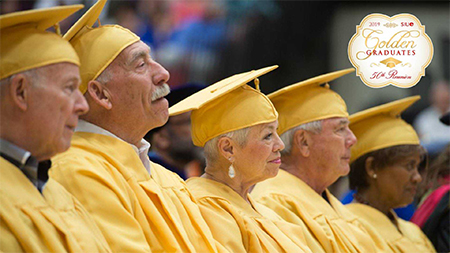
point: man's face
(138, 87)
(55, 104)
(330, 149)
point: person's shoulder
(261, 194)
(413, 233)
(207, 190)
(15, 187)
(357, 207)
(283, 185)
(77, 159)
(165, 177)
(409, 226)
(80, 151)
(77, 164)
(57, 196)
(361, 211)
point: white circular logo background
(390, 50)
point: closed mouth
(161, 92)
(276, 160)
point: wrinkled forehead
(57, 72)
(133, 52)
(66, 71)
(337, 121)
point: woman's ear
(302, 142)
(225, 147)
(99, 94)
(369, 167)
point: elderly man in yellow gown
(139, 205)
(40, 105)
(313, 124)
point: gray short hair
(33, 74)
(105, 76)
(211, 150)
(288, 136)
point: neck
(372, 198)
(18, 135)
(127, 131)
(306, 172)
(220, 174)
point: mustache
(160, 91)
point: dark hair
(440, 167)
(382, 158)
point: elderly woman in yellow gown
(237, 125)
(385, 173)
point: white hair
(33, 74)
(105, 76)
(211, 150)
(288, 136)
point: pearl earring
(231, 171)
(374, 176)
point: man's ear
(302, 142)
(19, 89)
(225, 147)
(100, 94)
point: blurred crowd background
(205, 41)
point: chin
(62, 147)
(162, 120)
(345, 170)
(401, 205)
(163, 116)
(272, 172)
(48, 154)
(157, 118)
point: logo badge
(390, 50)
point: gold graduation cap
(97, 47)
(25, 44)
(226, 106)
(308, 101)
(390, 62)
(381, 127)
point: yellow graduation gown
(136, 211)
(238, 225)
(329, 224)
(409, 239)
(50, 222)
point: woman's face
(259, 159)
(397, 184)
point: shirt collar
(27, 163)
(141, 149)
(18, 154)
